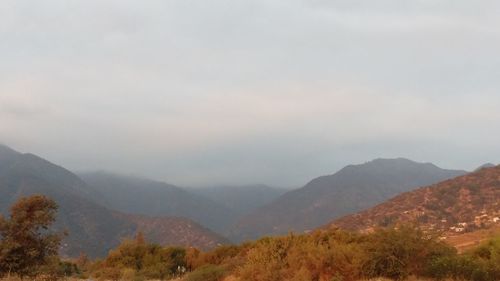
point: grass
(467, 241)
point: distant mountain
(241, 200)
(153, 198)
(354, 188)
(467, 203)
(487, 165)
(92, 228)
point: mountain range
(92, 227)
(153, 198)
(352, 189)
(99, 209)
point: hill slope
(153, 198)
(241, 200)
(92, 228)
(354, 188)
(462, 204)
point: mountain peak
(384, 167)
(393, 160)
(400, 161)
(487, 165)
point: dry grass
(470, 240)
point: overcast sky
(258, 91)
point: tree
(399, 252)
(26, 243)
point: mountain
(353, 188)
(241, 200)
(153, 198)
(92, 228)
(177, 231)
(463, 204)
(487, 165)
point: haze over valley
(99, 208)
(262, 140)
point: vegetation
(138, 260)
(206, 273)
(27, 248)
(464, 204)
(480, 264)
(334, 255)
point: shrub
(207, 273)
(399, 253)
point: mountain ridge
(92, 228)
(351, 189)
(462, 204)
(131, 194)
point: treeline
(334, 255)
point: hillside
(177, 231)
(92, 228)
(153, 198)
(241, 200)
(463, 204)
(353, 188)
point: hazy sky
(272, 91)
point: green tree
(26, 243)
(399, 252)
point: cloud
(269, 91)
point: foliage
(480, 264)
(138, 260)
(399, 253)
(28, 248)
(333, 255)
(26, 244)
(207, 272)
(321, 255)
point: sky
(200, 93)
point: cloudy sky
(239, 92)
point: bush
(481, 264)
(207, 273)
(139, 260)
(399, 253)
